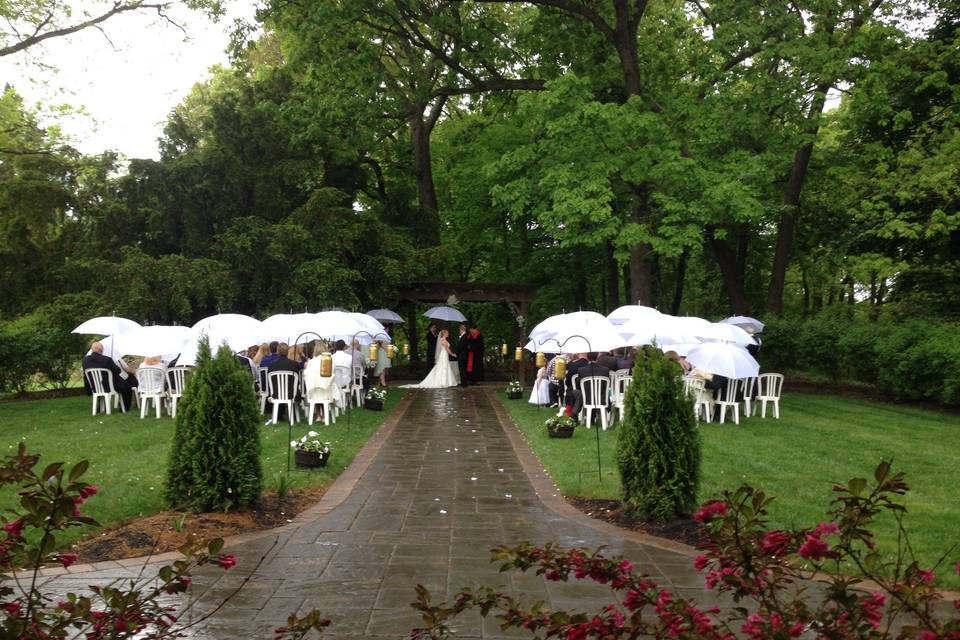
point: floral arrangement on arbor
(377, 394)
(312, 443)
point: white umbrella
(448, 314)
(581, 331)
(288, 327)
(385, 315)
(372, 326)
(752, 325)
(723, 359)
(724, 333)
(152, 341)
(235, 330)
(624, 314)
(681, 349)
(661, 329)
(106, 326)
(109, 348)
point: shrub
(658, 450)
(215, 458)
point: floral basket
(514, 390)
(560, 427)
(375, 398)
(310, 451)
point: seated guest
(283, 363)
(124, 378)
(682, 363)
(625, 359)
(152, 361)
(317, 387)
(573, 367)
(554, 385)
(589, 369)
(262, 351)
(271, 356)
(342, 359)
(608, 360)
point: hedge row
(913, 359)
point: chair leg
(603, 419)
(736, 413)
(776, 408)
(93, 408)
(763, 407)
(276, 409)
(723, 413)
(327, 409)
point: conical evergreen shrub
(215, 458)
(658, 448)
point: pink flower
(14, 529)
(626, 566)
(872, 606)
(926, 634)
(700, 562)
(711, 510)
(67, 559)
(89, 490)
(775, 543)
(227, 562)
(826, 529)
(814, 548)
(12, 608)
(926, 576)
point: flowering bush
(378, 394)
(310, 442)
(780, 574)
(514, 387)
(561, 421)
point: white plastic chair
(176, 383)
(356, 387)
(748, 385)
(599, 394)
(264, 392)
(150, 387)
(324, 399)
(343, 377)
(730, 400)
(283, 388)
(702, 399)
(770, 385)
(619, 381)
(101, 384)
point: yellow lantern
(391, 351)
(326, 365)
(406, 349)
(560, 368)
(504, 350)
(373, 351)
(518, 354)
(541, 359)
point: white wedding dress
(444, 373)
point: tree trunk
(678, 284)
(580, 291)
(613, 279)
(641, 274)
(627, 289)
(731, 273)
(791, 201)
(428, 227)
(412, 333)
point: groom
(463, 354)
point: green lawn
(818, 440)
(128, 456)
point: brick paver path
(447, 485)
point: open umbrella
(723, 359)
(746, 322)
(232, 329)
(724, 333)
(106, 326)
(448, 314)
(577, 332)
(372, 326)
(629, 312)
(152, 341)
(287, 327)
(385, 316)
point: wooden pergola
(516, 296)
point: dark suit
(587, 370)
(463, 352)
(477, 349)
(608, 361)
(572, 369)
(431, 349)
(286, 364)
(122, 386)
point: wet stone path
(446, 486)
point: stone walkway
(443, 484)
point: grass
(819, 440)
(128, 456)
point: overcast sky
(128, 84)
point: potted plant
(374, 398)
(561, 426)
(514, 390)
(310, 451)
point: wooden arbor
(516, 296)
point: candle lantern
(372, 351)
(518, 354)
(560, 368)
(541, 359)
(391, 351)
(326, 365)
(504, 350)
(406, 349)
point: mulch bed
(157, 533)
(685, 530)
(46, 394)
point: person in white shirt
(341, 358)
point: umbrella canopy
(723, 359)
(662, 329)
(106, 326)
(680, 349)
(624, 314)
(235, 330)
(448, 314)
(287, 327)
(578, 332)
(372, 326)
(385, 316)
(751, 325)
(724, 333)
(152, 341)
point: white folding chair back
(264, 383)
(356, 386)
(101, 384)
(619, 380)
(150, 387)
(283, 386)
(596, 389)
(176, 383)
(703, 400)
(730, 400)
(344, 378)
(770, 386)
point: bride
(444, 373)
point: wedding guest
(589, 369)
(608, 360)
(383, 363)
(271, 355)
(625, 359)
(341, 358)
(572, 368)
(124, 377)
(261, 353)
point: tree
(215, 458)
